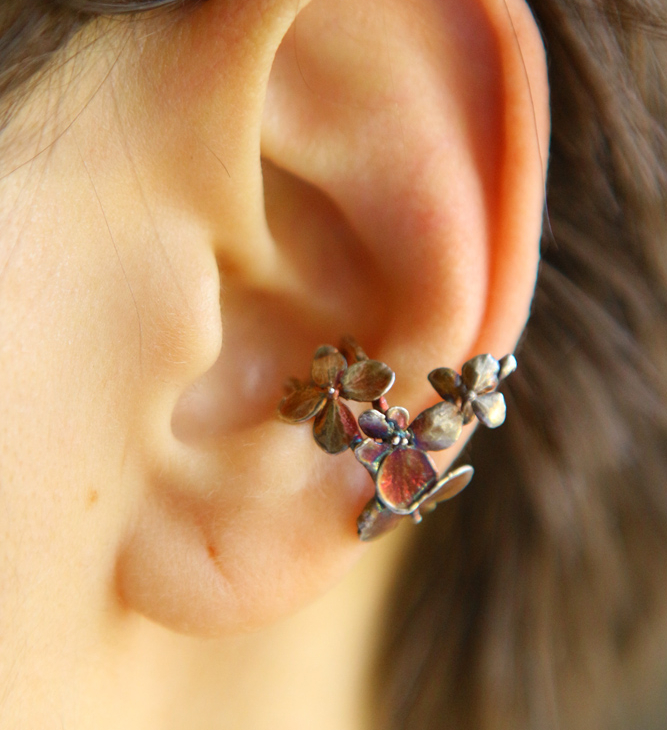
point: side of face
(188, 210)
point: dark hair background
(522, 600)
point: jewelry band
(391, 447)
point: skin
(188, 208)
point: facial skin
(188, 208)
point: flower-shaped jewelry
(473, 392)
(376, 519)
(335, 426)
(394, 450)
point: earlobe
(403, 188)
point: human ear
(374, 168)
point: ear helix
(394, 449)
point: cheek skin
(111, 310)
(103, 319)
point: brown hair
(32, 32)
(520, 599)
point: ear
(373, 168)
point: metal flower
(335, 426)
(376, 519)
(395, 452)
(473, 392)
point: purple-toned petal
(328, 364)
(370, 454)
(448, 486)
(334, 427)
(490, 409)
(374, 424)
(399, 417)
(301, 404)
(366, 381)
(403, 474)
(437, 427)
(349, 422)
(481, 373)
(507, 366)
(376, 520)
(351, 350)
(446, 383)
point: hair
(522, 599)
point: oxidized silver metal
(391, 447)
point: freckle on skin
(212, 552)
(93, 496)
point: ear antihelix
(394, 450)
(423, 153)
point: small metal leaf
(334, 427)
(399, 416)
(403, 474)
(292, 384)
(490, 409)
(370, 454)
(328, 364)
(301, 404)
(374, 424)
(507, 366)
(376, 520)
(352, 350)
(366, 381)
(481, 373)
(446, 383)
(437, 427)
(448, 486)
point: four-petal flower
(474, 391)
(335, 427)
(395, 452)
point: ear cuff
(384, 439)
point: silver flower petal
(507, 366)
(351, 350)
(370, 454)
(446, 383)
(328, 364)
(448, 486)
(334, 427)
(376, 520)
(374, 424)
(437, 427)
(402, 476)
(399, 417)
(301, 404)
(366, 381)
(480, 373)
(490, 409)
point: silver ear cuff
(384, 439)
